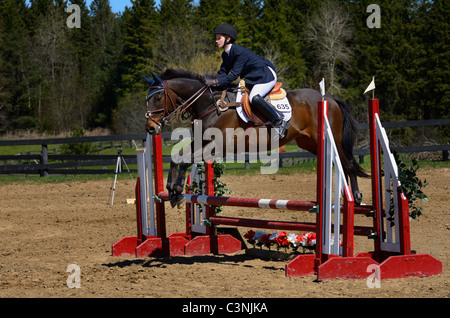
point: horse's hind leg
(350, 172)
(357, 196)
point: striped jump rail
(293, 205)
(258, 203)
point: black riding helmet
(227, 29)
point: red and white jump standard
(392, 247)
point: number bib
(283, 106)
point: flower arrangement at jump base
(282, 240)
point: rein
(169, 116)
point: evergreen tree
(58, 71)
(140, 26)
(434, 60)
(248, 24)
(103, 23)
(279, 34)
(3, 90)
(210, 13)
(433, 65)
(390, 53)
(109, 47)
(83, 49)
(42, 55)
(177, 40)
(17, 71)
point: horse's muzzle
(152, 126)
(153, 130)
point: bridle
(168, 115)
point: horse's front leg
(171, 178)
(179, 185)
(177, 177)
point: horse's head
(175, 93)
(160, 103)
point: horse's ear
(148, 80)
(156, 78)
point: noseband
(168, 115)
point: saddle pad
(282, 105)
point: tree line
(56, 78)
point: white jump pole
(145, 173)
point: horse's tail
(349, 132)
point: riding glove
(211, 82)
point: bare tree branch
(327, 32)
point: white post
(196, 215)
(392, 242)
(331, 158)
(140, 153)
(145, 173)
(151, 192)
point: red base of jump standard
(126, 246)
(152, 246)
(176, 245)
(216, 244)
(358, 267)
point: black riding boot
(271, 114)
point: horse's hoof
(181, 205)
(178, 201)
(357, 196)
(181, 201)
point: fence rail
(41, 163)
(75, 163)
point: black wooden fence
(69, 164)
(45, 163)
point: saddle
(276, 93)
(276, 97)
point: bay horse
(177, 91)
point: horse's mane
(171, 74)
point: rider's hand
(211, 82)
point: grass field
(231, 168)
(238, 169)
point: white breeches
(263, 89)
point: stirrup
(281, 127)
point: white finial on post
(371, 87)
(322, 88)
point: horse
(179, 92)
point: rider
(257, 71)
